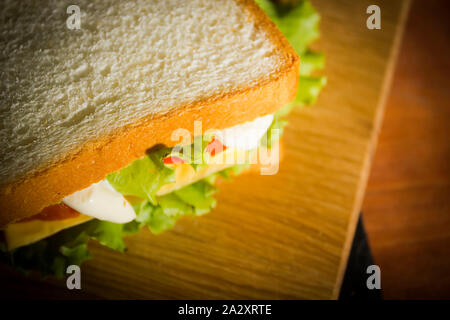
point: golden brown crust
(94, 160)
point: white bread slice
(79, 104)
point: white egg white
(100, 200)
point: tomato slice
(55, 212)
(173, 160)
(215, 147)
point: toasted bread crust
(97, 158)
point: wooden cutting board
(284, 236)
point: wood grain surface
(283, 236)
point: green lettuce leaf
(310, 62)
(309, 89)
(300, 24)
(194, 199)
(277, 124)
(144, 177)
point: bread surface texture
(77, 104)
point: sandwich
(117, 116)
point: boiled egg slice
(100, 200)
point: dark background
(407, 203)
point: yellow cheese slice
(27, 232)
